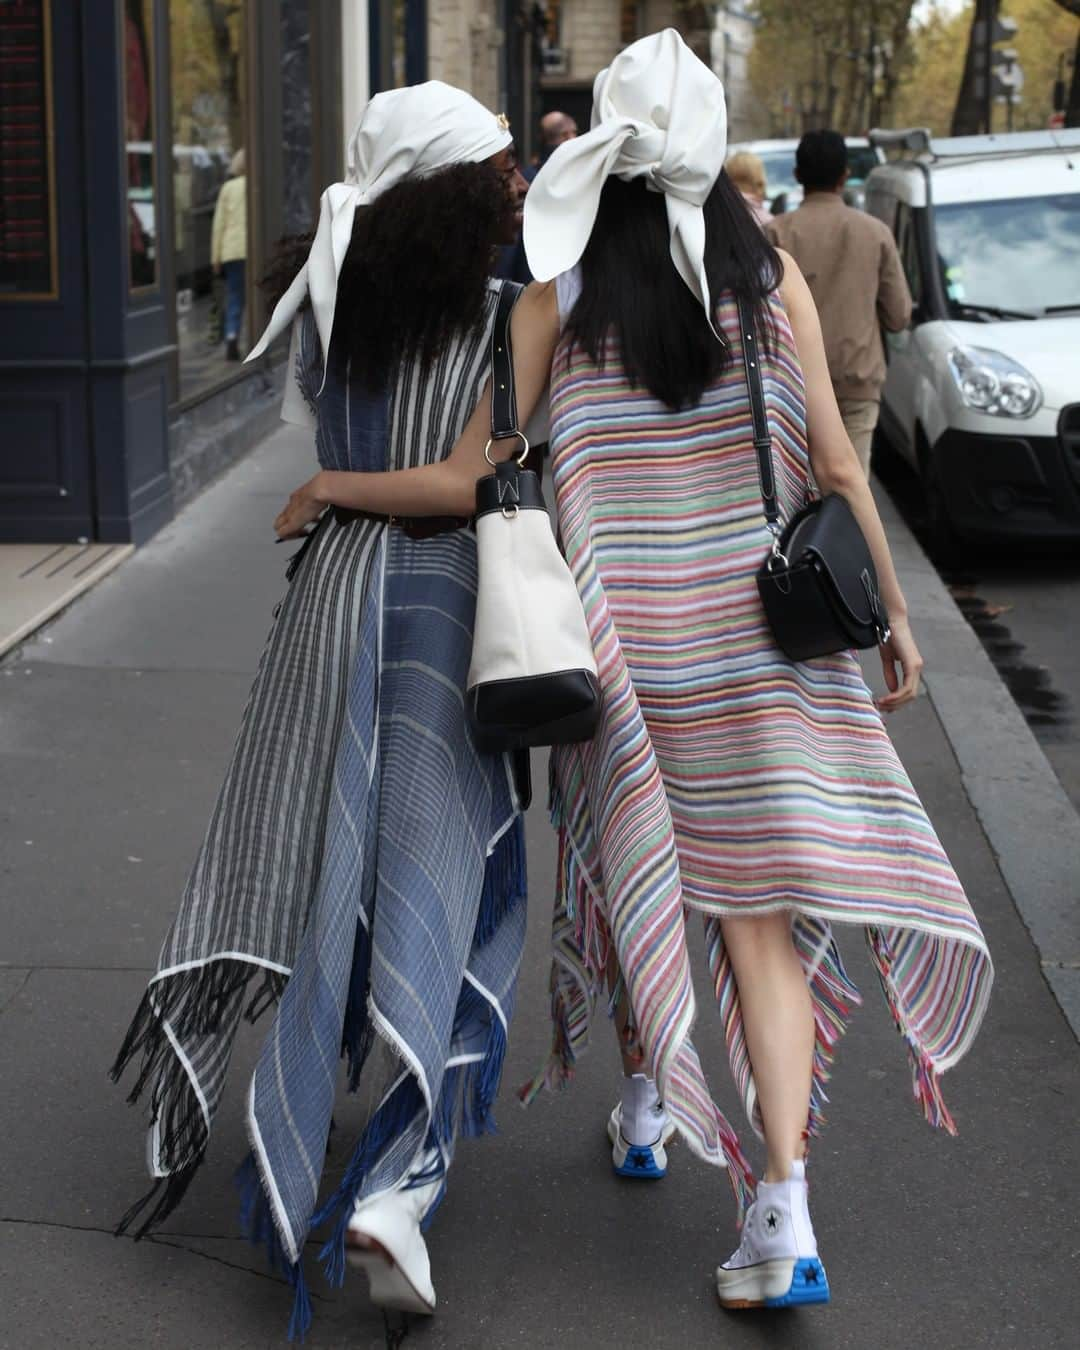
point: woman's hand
(900, 650)
(303, 507)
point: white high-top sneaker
(384, 1239)
(776, 1265)
(638, 1128)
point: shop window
(27, 194)
(296, 119)
(210, 188)
(138, 38)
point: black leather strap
(759, 418)
(504, 416)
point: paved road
(1026, 610)
(114, 730)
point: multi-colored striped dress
(726, 778)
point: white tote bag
(532, 679)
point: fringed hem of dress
(406, 1125)
(206, 999)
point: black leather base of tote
(555, 709)
(821, 596)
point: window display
(210, 188)
(139, 146)
(27, 220)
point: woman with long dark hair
(363, 873)
(725, 778)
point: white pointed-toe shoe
(384, 1239)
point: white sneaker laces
(743, 1255)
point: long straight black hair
(631, 290)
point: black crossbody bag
(818, 583)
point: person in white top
(228, 250)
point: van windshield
(1020, 255)
(780, 172)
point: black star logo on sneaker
(772, 1221)
(641, 1161)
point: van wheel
(944, 541)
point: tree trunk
(1072, 107)
(967, 117)
(901, 33)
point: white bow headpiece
(658, 113)
(404, 133)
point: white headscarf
(658, 113)
(404, 133)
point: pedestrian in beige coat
(855, 275)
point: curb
(1031, 825)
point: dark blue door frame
(381, 42)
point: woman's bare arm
(836, 469)
(447, 488)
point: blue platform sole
(809, 1284)
(640, 1163)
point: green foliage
(832, 62)
(928, 89)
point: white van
(983, 390)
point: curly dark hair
(416, 272)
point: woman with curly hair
(363, 873)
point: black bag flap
(828, 532)
(509, 488)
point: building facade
(491, 48)
(582, 36)
(732, 43)
(153, 153)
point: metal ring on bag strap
(521, 457)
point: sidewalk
(115, 728)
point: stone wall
(464, 45)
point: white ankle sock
(642, 1117)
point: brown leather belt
(416, 527)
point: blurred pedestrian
(228, 250)
(555, 129)
(725, 778)
(364, 867)
(747, 171)
(855, 275)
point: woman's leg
(778, 1019)
(633, 1060)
